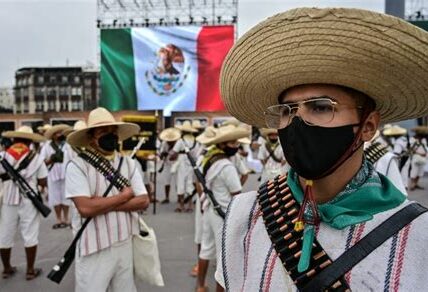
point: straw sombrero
(394, 130)
(380, 55)
(232, 121)
(196, 124)
(206, 135)
(100, 117)
(423, 130)
(24, 132)
(79, 125)
(170, 134)
(186, 127)
(267, 131)
(44, 128)
(225, 134)
(54, 129)
(245, 140)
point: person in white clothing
(54, 154)
(271, 155)
(70, 152)
(185, 176)
(104, 259)
(222, 179)
(169, 137)
(419, 157)
(17, 211)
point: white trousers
(23, 216)
(56, 193)
(211, 235)
(198, 221)
(110, 269)
(184, 180)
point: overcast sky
(54, 32)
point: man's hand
(128, 193)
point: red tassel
(308, 199)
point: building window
(25, 109)
(51, 105)
(64, 79)
(51, 91)
(88, 82)
(76, 105)
(52, 79)
(64, 91)
(40, 79)
(39, 106)
(39, 91)
(76, 91)
(76, 79)
(63, 105)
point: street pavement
(175, 240)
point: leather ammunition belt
(280, 211)
(375, 152)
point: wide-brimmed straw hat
(24, 132)
(394, 130)
(225, 134)
(380, 55)
(44, 128)
(267, 131)
(170, 134)
(186, 126)
(206, 135)
(55, 129)
(79, 125)
(197, 125)
(232, 121)
(100, 117)
(423, 130)
(245, 140)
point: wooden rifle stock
(25, 188)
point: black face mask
(108, 142)
(312, 150)
(61, 138)
(230, 151)
(273, 140)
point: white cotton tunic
(103, 231)
(271, 168)
(249, 262)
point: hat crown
(25, 129)
(79, 125)
(100, 116)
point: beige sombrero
(186, 126)
(54, 129)
(232, 121)
(380, 55)
(196, 124)
(100, 117)
(225, 134)
(170, 134)
(24, 132)
(206, 135)
(420, 130)
(44, 128)
(245, 140)
(79, 125)
(267, 131)
(394, 130)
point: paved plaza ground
(175, 237)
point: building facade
(6, 100)
(55, 89)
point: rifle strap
(211, 161)
(272, 152)
(22, 165)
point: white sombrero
(225, 134)
(100, 117)
(44, 128)
(267, 131)
(394, 130)
(245, 140)
(232, 121)
(55, 129)
(79, 125)
(380, 55)
(24, 132)
(197, 125)
(170, 135)
(206, 135)
(186, 127)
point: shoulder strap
(271, 152)
(364, 247)
(211, 161)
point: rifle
(201, 180)
(116, 179)
(24, 188)
(58, 152)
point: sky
(61, 32)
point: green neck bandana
(367, 194)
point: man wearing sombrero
(169, 137)
(17, 211)
(418, 157)
(185, 176)
(271, 155)
(222, 179)
(326, 78)
(55, 155)
(104, 258)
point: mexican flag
(168, 68)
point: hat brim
(30, 136)
(377, 54)
(164, 135)
(55, 129)
(80, 138)
(235, 134)
(186, 129)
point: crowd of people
(331, 211)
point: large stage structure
(145, 13)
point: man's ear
(370, 126)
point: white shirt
(34, 171)
(82, 180)
(57, 172)
(179, 147)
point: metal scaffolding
(143, 13)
